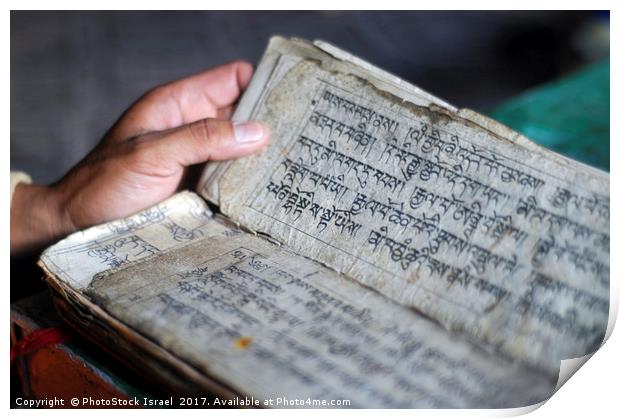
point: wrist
(38, 218)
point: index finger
(184, 101)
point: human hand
(142, 159)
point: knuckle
(205, 130)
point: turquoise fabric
(570, 115)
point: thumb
(210, 139)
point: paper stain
(243, 342)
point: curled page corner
(520, 411)
(568, 367)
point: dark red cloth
(38, 339)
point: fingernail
(248, 132)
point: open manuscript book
(386, 248)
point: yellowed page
(179, 220)
(485, 234)
(270, 324)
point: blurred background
(545, 74)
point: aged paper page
(182, 219)
(505, 242)
(264, 322)
(281, 55)
(273, 325)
